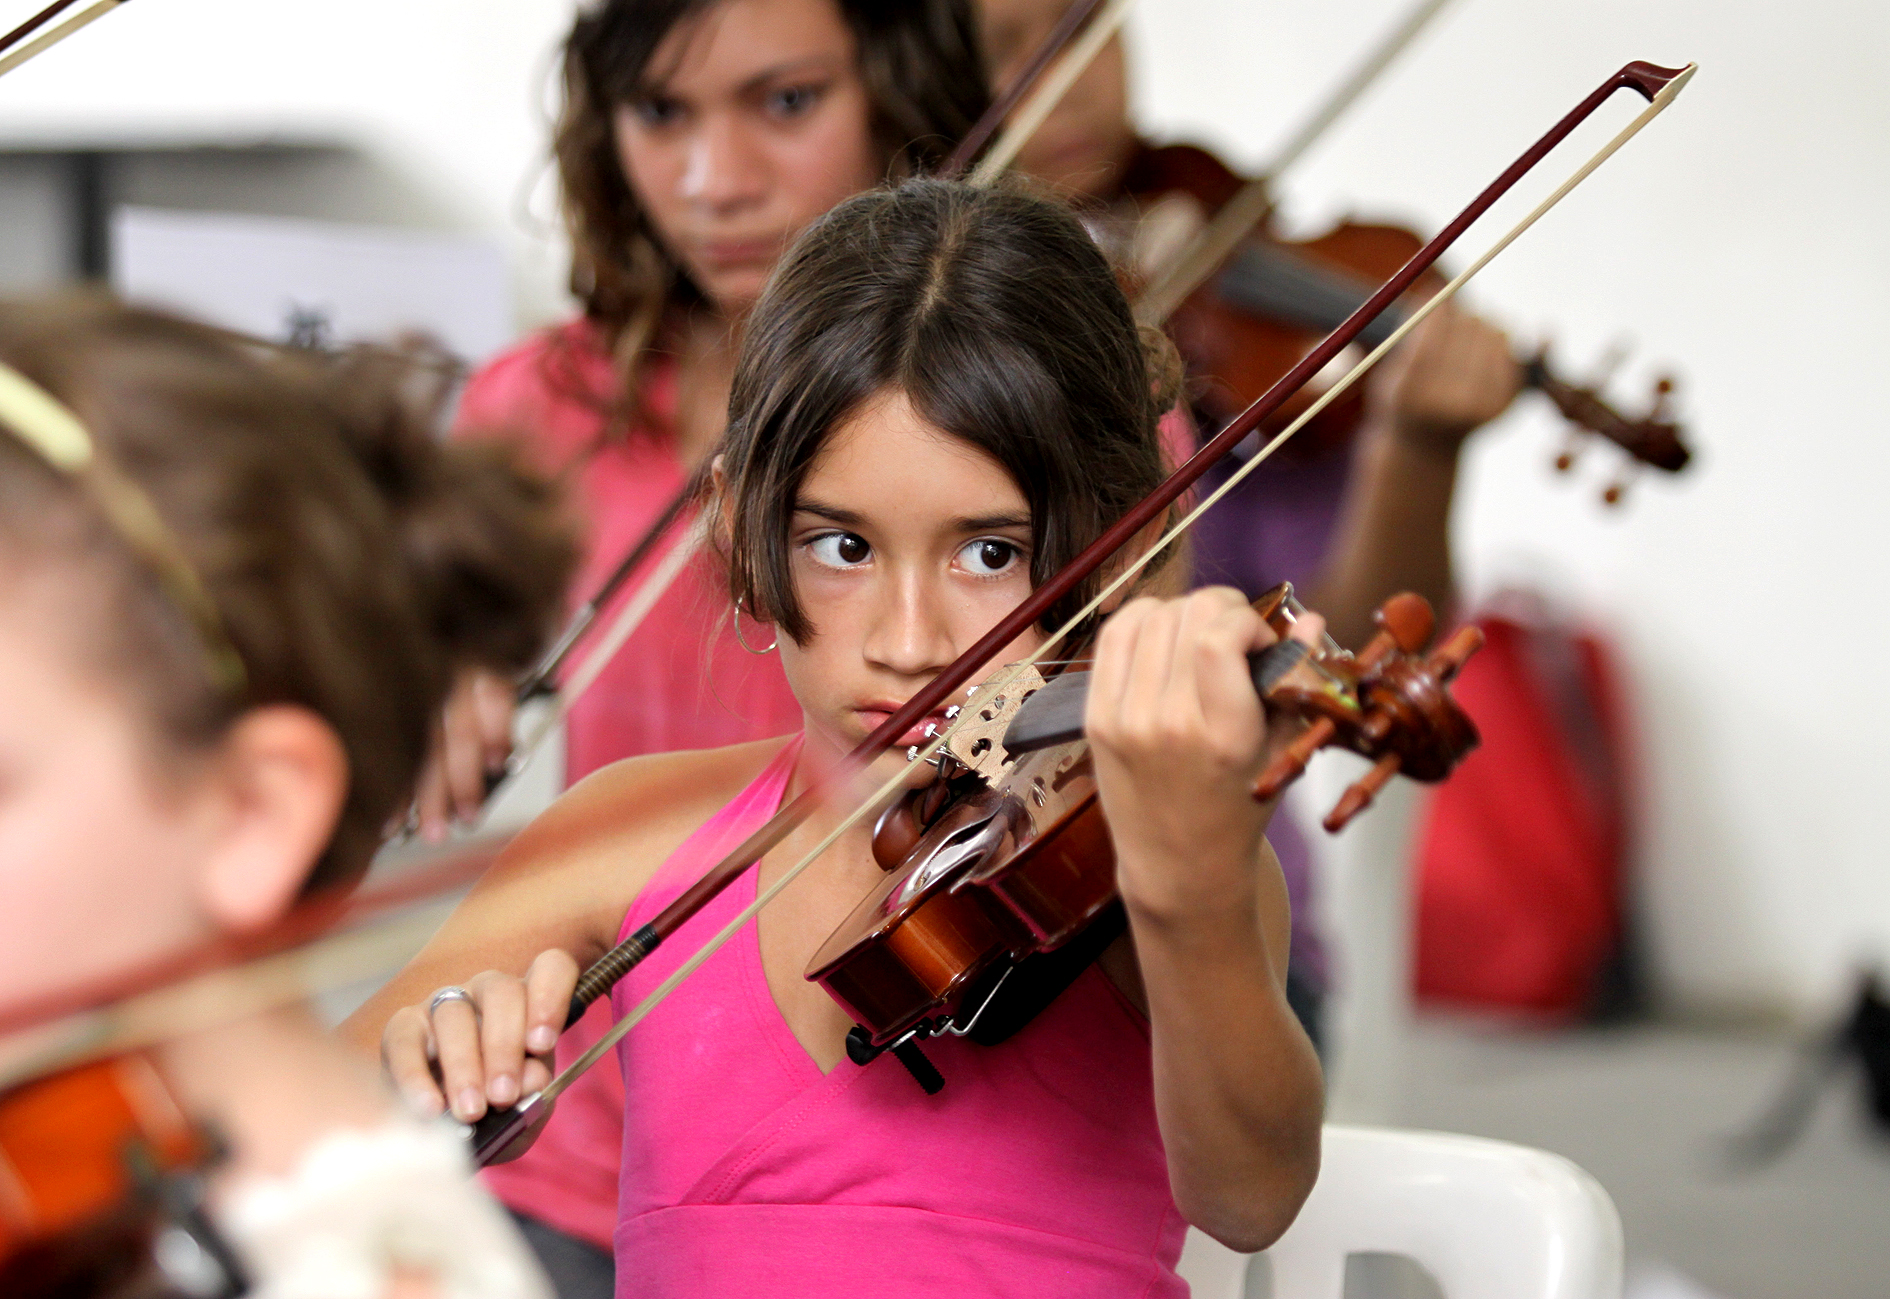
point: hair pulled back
(356, 563)
(919, 61)
(999, 319)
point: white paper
(315, 281)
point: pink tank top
(746, 1171)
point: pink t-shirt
(681, 682)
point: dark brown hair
(355, 562)
(923, 75)
(1001, 322)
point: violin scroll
(1389, 703)
(1653, 438)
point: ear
(724, 503)
(285, 779)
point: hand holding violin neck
(1389, 703)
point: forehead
(731, 43)
(886, 461)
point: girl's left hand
(1179, 736)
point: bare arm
(551, 906)
(1179, 738)
(1453, 375)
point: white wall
(1739, 240)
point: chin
(733, 292)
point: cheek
(652, 171)
(94, 875)
(833, 159)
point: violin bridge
(979, 740)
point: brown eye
(840, 549)
(988, 556)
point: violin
(1006, 854)
(102, 1178)
(1260, 311)
(933, 978)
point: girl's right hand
(486, 1049)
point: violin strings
(1250, 206)
(1005, 676)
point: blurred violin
(1253, 314)
(1006, 855)
(102, 1178)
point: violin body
(1018, 865)
(1008, 854)
(91, 1161)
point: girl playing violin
(697, 139)
(233, 591)
(941, 398)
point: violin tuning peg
(1407, 618)
(1291, 765)
(1663, 398)
(1360, 795)
(1571, 452)
(1448, 659)
(1617, 489)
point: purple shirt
(1276, 527)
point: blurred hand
(471, 741)
(1454, 374)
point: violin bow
(328, 941)
(1238, 216)
(34, 23)
(39, 45)
(1095, 29)
(1659, 86)
(1050, 92)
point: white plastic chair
(1486, 1219)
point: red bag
(1521, 865)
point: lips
(874, 715)
(723, 254)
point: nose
(726, 170)
(910, 633)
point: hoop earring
(743, 643)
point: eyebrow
(650, 88)
(807, 62)
(853, 518)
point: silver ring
(444, 995)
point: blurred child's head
(699, 137)
(351, 565)
(941, 400)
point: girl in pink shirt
(698, 138)
(941, 399)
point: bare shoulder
(619, 824)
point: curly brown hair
(924, 77)
(356, 562)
